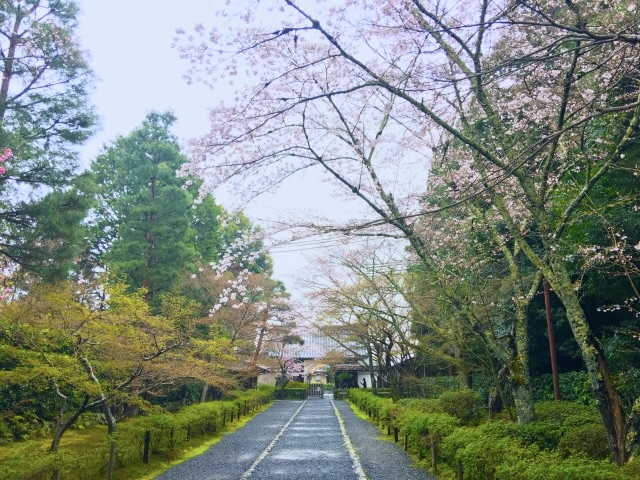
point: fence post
(224, 417)
(112, 460)
(147, 442)
(434, 456)
(406, 442)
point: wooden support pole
(147, 442)
(434, 456)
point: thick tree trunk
(149, 251)
(256, 353)
(109, 417)
(203, 394)
(607, 398)
(496, 398)
(519, 369)
(372, 373)
(552, 341)
(64, 426)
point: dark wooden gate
(315, 390)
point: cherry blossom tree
(358, 300)
(534, 103)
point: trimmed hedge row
(170, 433)
(291, 394)
(567, 441)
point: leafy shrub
(545, 434)
(456, 441)
(266, 390)
(368, 402)
(481, 458)
(489, 432)
(575, 387)
(6, 435)
(554, 447)
(628, 386)
(485, 454)
(590, 440)
(24, 425)
(426, 405)
(34, 464)
(551, 466)
(465, 405)
(425, 429)
(564, 411)
(632, 469)
(296, 385)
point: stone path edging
(357, 466)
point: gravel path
(381, 459)
(316, 439)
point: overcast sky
(129, 44)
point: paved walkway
(315, 439)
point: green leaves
(44, 115)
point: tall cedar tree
(143, 222)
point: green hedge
(466, 405)
(170, 433)
(291, 394)
(567, 441)
(340, 394)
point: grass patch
(88, 445)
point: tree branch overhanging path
(520, 109)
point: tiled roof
(318, 346)
(349, 367)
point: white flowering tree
(535, 103)
(358, 298)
